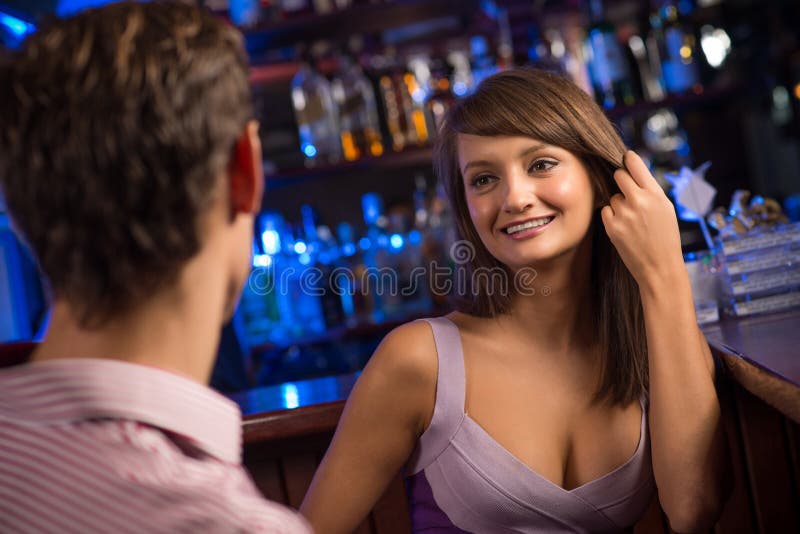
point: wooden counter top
(763, 355)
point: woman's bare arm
(690, 459)
(387, 411)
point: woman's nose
(520, 195)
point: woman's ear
(246, 172)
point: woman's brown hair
(552, 109)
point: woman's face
(529, 201)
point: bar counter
(287, 428)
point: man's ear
(246, 172)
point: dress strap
(448, 412)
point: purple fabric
(426, 516)
(462, 480)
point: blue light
(18, 27)
(460, 88)
(271, 241)
(300, 247)
(372, 206)
(262, 260)
(364, 243)
(349, 249)
(70, 7)
(304, 259)
(291, 397)
(396, 241)
(309, 150)
(414, 237)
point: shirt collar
(58, 391)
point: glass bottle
(608, 68)
(316, 114)
(358, 113)
(677, 50)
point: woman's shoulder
(412, 344)
(410, 349)
(407, 352)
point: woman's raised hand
(642, 225)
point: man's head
(121, 129)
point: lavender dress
(462, 480)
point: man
(131, 165)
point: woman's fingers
(625, 182)
(638, 171)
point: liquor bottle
(677, 50)
(316, 115)
(432, 76)
(358, 112)
(441, 95)
(374, 246)
(297, 284)
(357, 304)
(411, 261)
(245, 13)
(322, 249)
(295, 8)
(323, 7)
(267, 310)
(404, 115)
(483, 64)
(413, 94)
(608, 66)
(542, 53)
(461, 80)
(258, 307)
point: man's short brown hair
(114, 127)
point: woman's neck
(558, 312)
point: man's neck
(176, 330)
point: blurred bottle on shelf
(246, 13)
(316, 114)
(294, 8)
(258, 306)
(374, 247)
(323, 7)
(441, 96)
(413, 268)
(288, 258)
(483, 64)
(546, 51)
(608, 68)
(323, 256)
(357, 304)
(263, 307)
(646, 58)
(430, 91)
(404, 115)
(677, 50)
(358, 113)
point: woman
(563, 400)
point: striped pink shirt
(108, 446)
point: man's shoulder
(103, 474)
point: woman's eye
(481, 180)
(541, 165)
